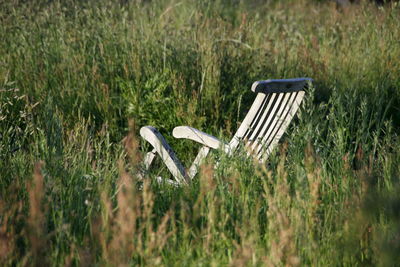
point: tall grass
(74, 73)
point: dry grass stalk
(132, 144)
(314, 183)
(36, 220)
(128, 233)
(7, 235)
(209, 203)
(118, 247)
(244, 254)
(247, 251)
(283, 250)
(207, 181)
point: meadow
(79, 78)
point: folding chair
(276, 103)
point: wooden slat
(295, 106)
(286, 101)
(251, 135)
(272, 110)
(258, 114)
(248, 120)
(271, 120)
(274, 127)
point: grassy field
(79, 78)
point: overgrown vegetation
(74, 73)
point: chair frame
(275, 105)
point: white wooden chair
(274, 107)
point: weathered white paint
(260, 130)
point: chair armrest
(198, 136)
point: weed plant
(73, 74)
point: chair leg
(160, 145)
(196, 163)
(148, 159)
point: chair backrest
(274, 107)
